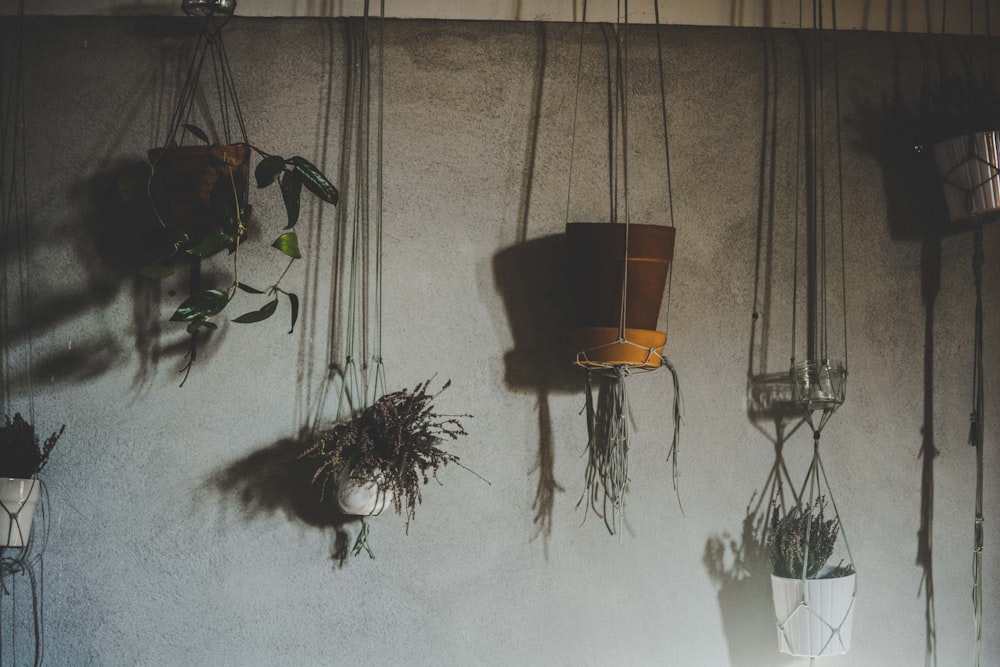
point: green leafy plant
(230, 214)
(395, 443)
(21, 454)
(792, 532)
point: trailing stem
(607, 449)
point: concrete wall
(172, 539)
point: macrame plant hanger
(618, 273)
(27, 531)
(362, 371)
(233, 151)
(818, 382)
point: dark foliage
(394, 443)
(21, 454)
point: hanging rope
(976, 440)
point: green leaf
(249, 290)
(258, 315)
(268, 169)
(288, 243)
(291, 192)
(314, 180)
(216, 241)
(156, 271)
(294, 300)
(196, 131)
(200, 306)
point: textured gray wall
(171, 541)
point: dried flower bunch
(786, 541)
(394, 443)
(21, 454)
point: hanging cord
(976, 429)
(621, 113)
(576, 110)
(379, 382)
(666, 151)
(352, 395)
(15, 211)
(840, 178)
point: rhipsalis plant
(21, 454)
(797, 531)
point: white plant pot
(814, 620)
(970, 168)
(362, 498)
(18, 498)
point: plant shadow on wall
(276, 479)
(740, 567)
(905, 139)
(531, 279)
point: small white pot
(970, 168)
(18, 498)
(814, 620)
(362, 498)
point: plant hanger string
(361, 386)
(27, 558)
(15, 219)
(819, 382)
(610, 349)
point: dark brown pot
(596, 258)
(191, 188)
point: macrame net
(971, 174)
(813, 616)
(23, 565)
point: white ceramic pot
(18, 498)
(970, 168)
(814, 620)
(362, 498)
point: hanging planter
(382, 457)
(617, 277)
(969, 166)
(197, 189)
(814, 616)
(18, 497)
(22, 456)
(362, 496)
(813, 603)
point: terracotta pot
(814, 617)
(191, 188)
(18, 498)
(600, 277)
(970, 168)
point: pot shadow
(530, 277)
(275, 480)
(122, 238)
(917, 213)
